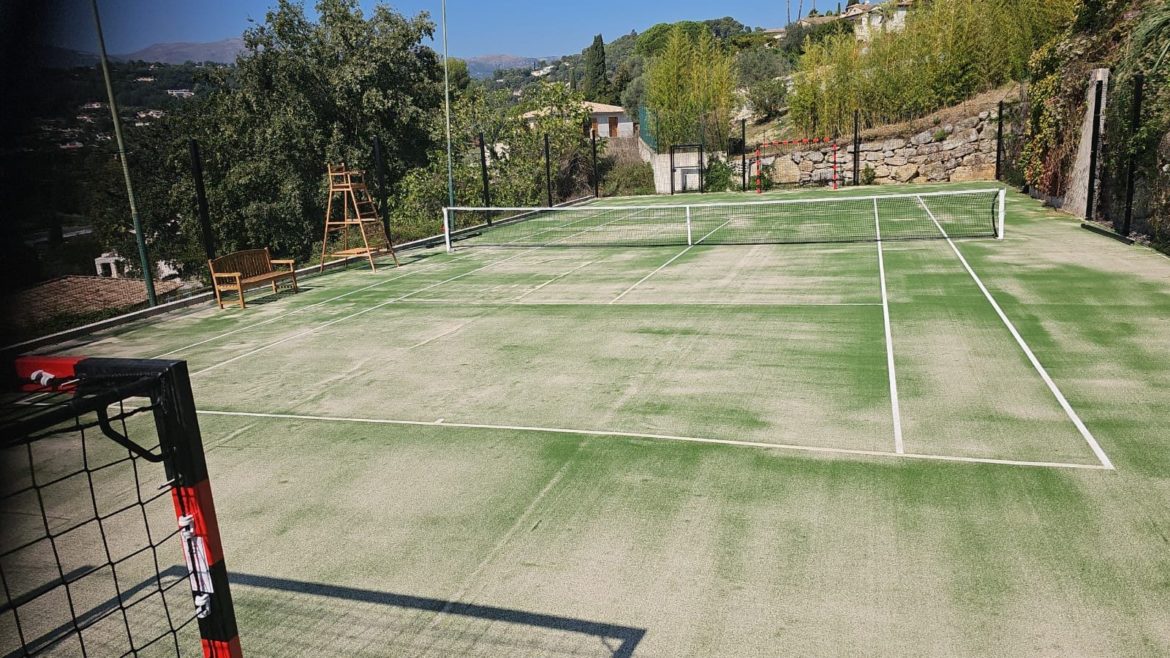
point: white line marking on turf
(374, 307)
(571, 302)
(555, 278)
(295, 311)
(521, 522)
(1072, 414)
(898, 445)
(659, 437)
(660, 267)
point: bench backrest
(250, 262)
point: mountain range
(226, 50)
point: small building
(869, 18)
(604, 120)
(610, 121)
(181, 93)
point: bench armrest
(226, 275)
(292, 264)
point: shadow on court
(620, 641)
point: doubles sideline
(1064, 404)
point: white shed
(610, 121)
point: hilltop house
(868, 18)
(604, 120)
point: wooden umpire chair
(352, 215)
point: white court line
(1072, 414)
(660, 267)
(445, 333)
(898, 445)
(660, 437)
(294, 312)
(572, 302)
(555, 278)
(372, 308)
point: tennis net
(955, 214)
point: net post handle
(447, 228)
(689, 241)
(1002, 213)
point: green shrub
(718, 176)
(939, 135)
(868, 175)
(628, 179)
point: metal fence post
(548, 171)
(856, 147)
(487, 195)
(1135, 124)
(999, 144)
(1094, 144)
(596, 175)
(380, 171)
(201, 199)
(743, 150)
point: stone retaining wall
(962, 151)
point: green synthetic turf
(357, 538)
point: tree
(302, 95)
(767, 98)
(653, 41)
(596, 86)
(690, 88)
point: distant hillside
(485, 65)
(223, 52)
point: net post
(690, 242)
(447, 228)
(1001, 205)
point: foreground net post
(105, 486)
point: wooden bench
(248, 269)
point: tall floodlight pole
(447, 105)
(147, 276)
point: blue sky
(476, 27)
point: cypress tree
(595, 86)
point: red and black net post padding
(118, 472)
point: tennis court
(658, 428)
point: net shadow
(615, 640)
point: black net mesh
(91, 560)
(965, 214)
